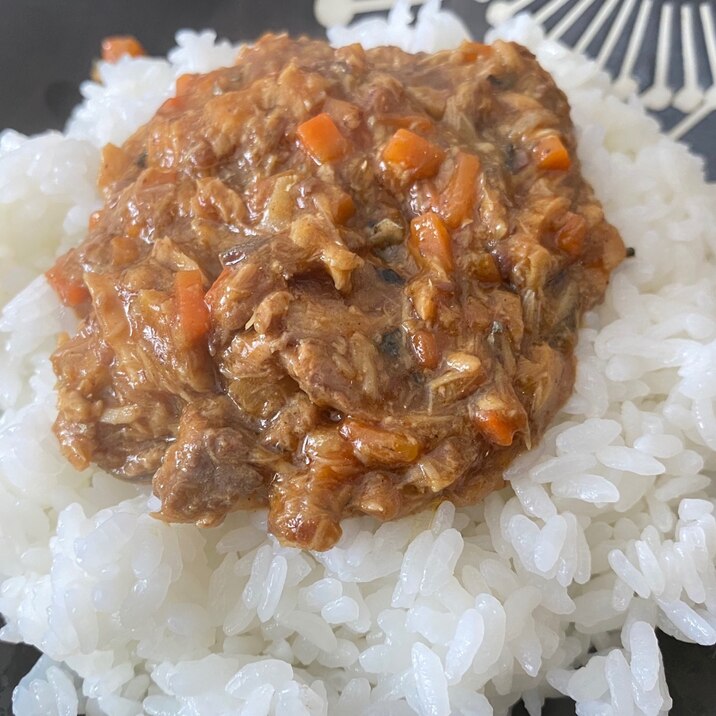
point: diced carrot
(192, 311)
(409, 152)
(497, 426)
(471, 51)
(571, 235)
(322, 139)
(72, 294)
(430, 242)
(552, 154)
(459, 195)
(335, 202)
(119, 45)
(498, 415)
(69, 287)
(171, 105)
(425, 348)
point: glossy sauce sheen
(332, 282)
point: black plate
(46, 50)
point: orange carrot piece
(430, 242)
(171, 105)
(471, 51)
(71, 290)
(459, 195)
(322, 139)
(407, 151)
(191, 309)
(498, 426)
(117, 46)
(552, 154)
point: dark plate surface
(46, 50)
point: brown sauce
(332, 282)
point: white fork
(690, 96)
(659, 95)
(625, 83)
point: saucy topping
(332, 282)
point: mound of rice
(606, 530)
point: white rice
(606, 531)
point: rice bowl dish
(553, 585)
